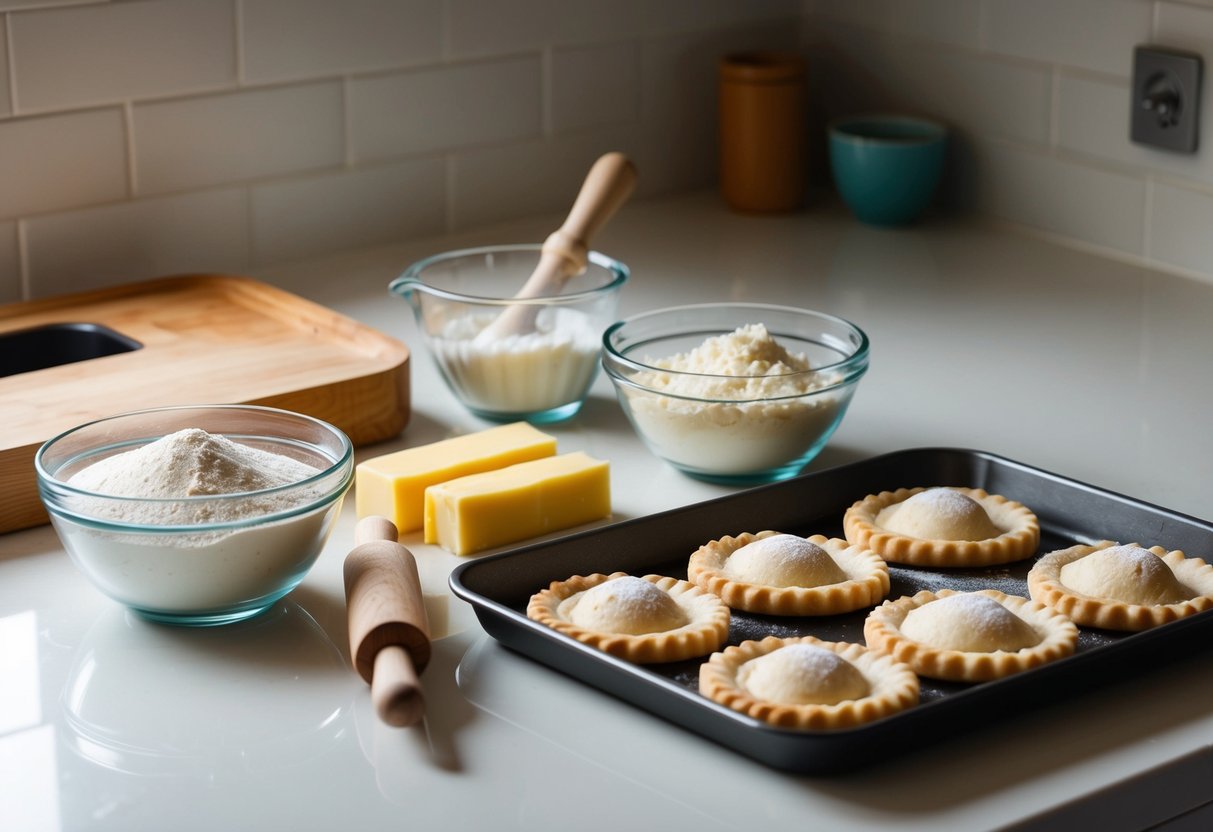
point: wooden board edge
(370, 408)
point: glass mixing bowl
(540, 375)
(162, 557)
(734, 428)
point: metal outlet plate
(1166, 98)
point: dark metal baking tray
(1070, 512)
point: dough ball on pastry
(1127, 573)
(628, 605)
(969, 623)
(803, 674)
(783, 560)
(939, 514)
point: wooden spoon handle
(607, 186)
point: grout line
(128, 124)
(27, 289)
(1147, 242)
(983, 26)
(449, 218)
(10, 65)
(1055, 108)
(238, 30)
(444, 34)
(250, 229)
(546, 83)
(347, 122)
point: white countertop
(982, 338)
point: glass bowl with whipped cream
(538, 371)
(196, 515)
(738, 393)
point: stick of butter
(514, 503)
(393, 485)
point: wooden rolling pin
(565, 252)
(389, 632)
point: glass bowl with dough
(943, 526)
(737, 393)
(645, 620)
(538, 364)
(969, 636)
(782, 574)
(1122, 586)
(807, 683)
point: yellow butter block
(514, 503)
(393, 485)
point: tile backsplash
(148, 137)
(1038, 94)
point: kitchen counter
(982, 338)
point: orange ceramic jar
(762, 131)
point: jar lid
(762, 67)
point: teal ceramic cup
(886, 168)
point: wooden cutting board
(206, 339)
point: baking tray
(1070, 512)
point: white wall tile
(1185, 27)
(488, 189)
(1179, 228)
(595, 85)
(292, 220)
(668, 16)
(1094, 120)
(988, 96)
(870, 13)
(83, 55)
(299, 38)
(490, 27)
(62, 161)
(1091, 34)
(204, 232)
(10, 264)
(456, 106)
(215, 139)
(1088, 204)
(957, 22)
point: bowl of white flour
(737, 393)
(197, 515)
(539, 373)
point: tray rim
(495, 613)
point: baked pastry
(644, 620)
(782, 574)
(969, 636)
(1122, 587)
(943, 527)
(808, 683)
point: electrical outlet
(1166, 98)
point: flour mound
(192, 463)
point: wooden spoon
(607, 186)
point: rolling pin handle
(374, 528)
(395, 688)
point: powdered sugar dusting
(803, 674)
(969, 622)
(624, 605)
(784, 560)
